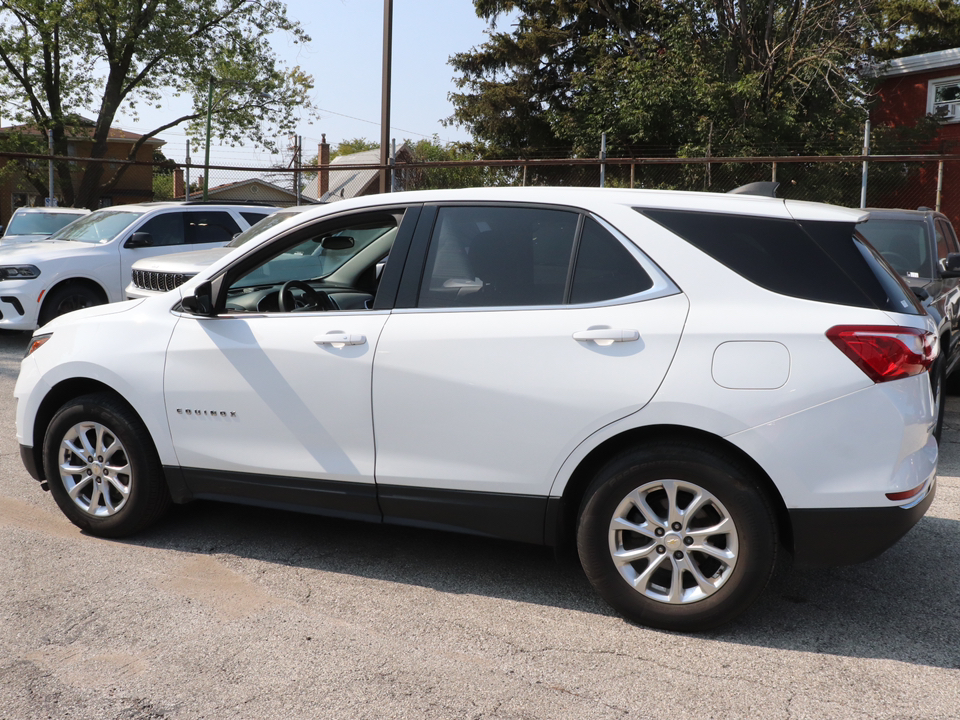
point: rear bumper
(846, 536)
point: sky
(345, 60)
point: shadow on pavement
(901, 606)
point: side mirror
(201, 302)
(139, 239)
(950, 265)
(336, 242)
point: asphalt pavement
(226, 611)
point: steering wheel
(309, 299)
(898, 261)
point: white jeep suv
(88, 262)
(683, 385)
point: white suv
(88, 262)
(681, 384)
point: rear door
(532, 328)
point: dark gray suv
(922, 247)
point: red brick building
(908, 89)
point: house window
(943, 98)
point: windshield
(257, 228)
(40, 223)
(98, 227)
(902, 243)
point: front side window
(164, 229)
(323, 267)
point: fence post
(297, 162)
(603, 156)
(866, 151)
(939, 184)
(393, 165)
(773, 176)
(523, 182)
(186, 190)
(633, 167)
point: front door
(270, 399)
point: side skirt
(523, 518)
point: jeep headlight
(18, 272)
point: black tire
(662, 598)
(67, 298)
(117, 492)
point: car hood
(85, 314)
(28, 252)
(186, 263)
(14, 239)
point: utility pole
(385, 97)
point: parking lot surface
(227, 611)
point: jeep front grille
(158, 281)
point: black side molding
(499, 515)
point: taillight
(886, 352)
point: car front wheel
(102, 467)
(677, 536)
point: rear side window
(819, 261)
(605, 269)
(498, 256)
(253, 217)
(210, 227)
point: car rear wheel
(677, 536)
(102, 467)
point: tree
(58, 57)
(722, 77)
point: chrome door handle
(339, 339)
(608, 334)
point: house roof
(246, 185)
(72, 132)
(352, 182)
(919, 63)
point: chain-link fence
(908, 181)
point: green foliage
(689, 78)
(162, 186)
(58, 57)
(914, 27)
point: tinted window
(210, 227)
(605, 269)
(814, 260)
(253, 217)
(493, 256)
(902, 243)
(945, 228)
(165, 229)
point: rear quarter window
(820, 261)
